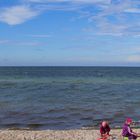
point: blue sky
(70, 33)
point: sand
(87, 134)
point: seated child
(127, 131)
(104, 130)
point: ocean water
(68, 97)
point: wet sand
(56, 135)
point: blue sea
(68, 97)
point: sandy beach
(55, 135)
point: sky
(69, 32)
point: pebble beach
(56, 135)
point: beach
(79, 134)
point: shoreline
(77, 134)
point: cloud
(132, 10)
(114, 19)
(65, 5)
(107, 11)
(17, 14)
(134, 58)
(4, 41)
(70, 1)
(29, 9)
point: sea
(62, 98)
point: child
(127, 131)
(104, 130)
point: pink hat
(129, 120)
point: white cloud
(65, 5)
(17, 14)
(4, 41)
(72, 1)
(117, 9)
(134, 58)
(114, 19)
(132, 10)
